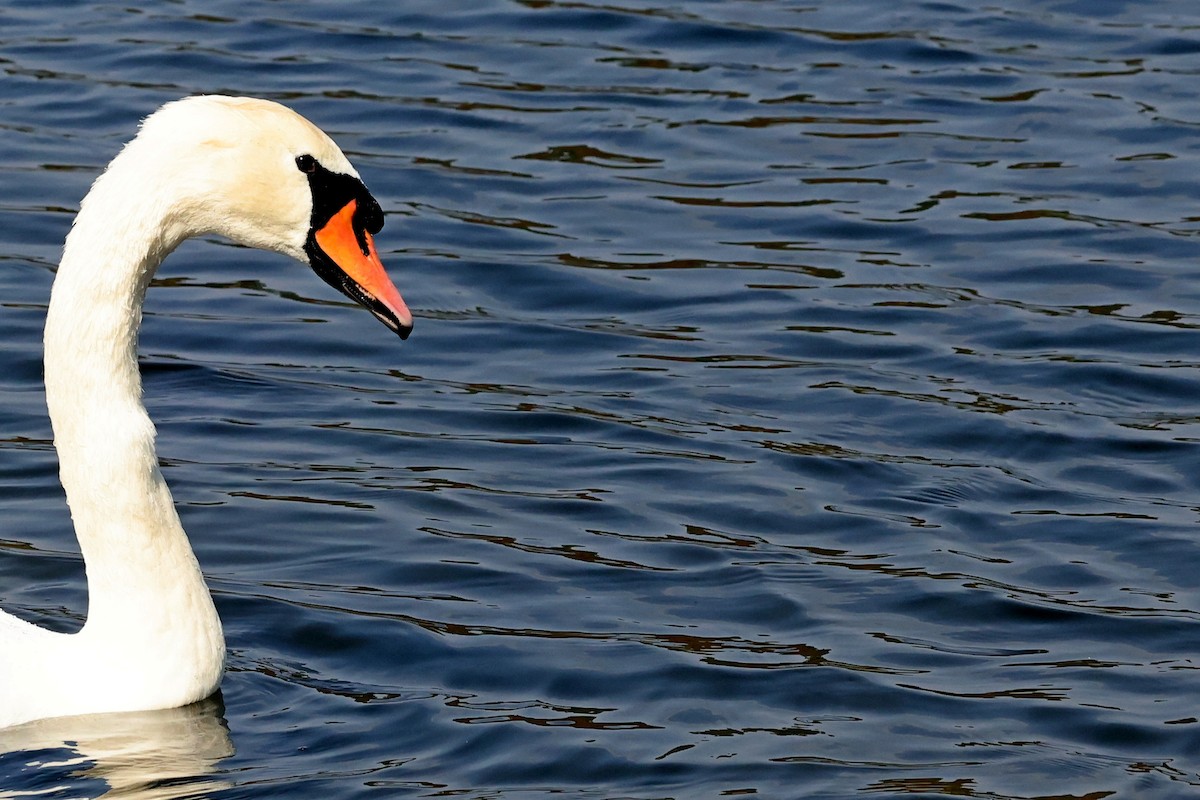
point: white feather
(152, 638)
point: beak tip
(400, 325)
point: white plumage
(202, 165)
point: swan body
(263, 176)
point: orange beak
(352, 251)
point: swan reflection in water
(144, 755)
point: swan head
(263, 176)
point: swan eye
(306, 163)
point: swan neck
(116, 244)
(143, 578)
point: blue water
(803, 401)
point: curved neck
(142, 575)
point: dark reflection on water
(802, 401)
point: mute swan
(254, 172)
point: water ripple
(802, 401)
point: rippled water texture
(802, 402)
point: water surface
(802, 401)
